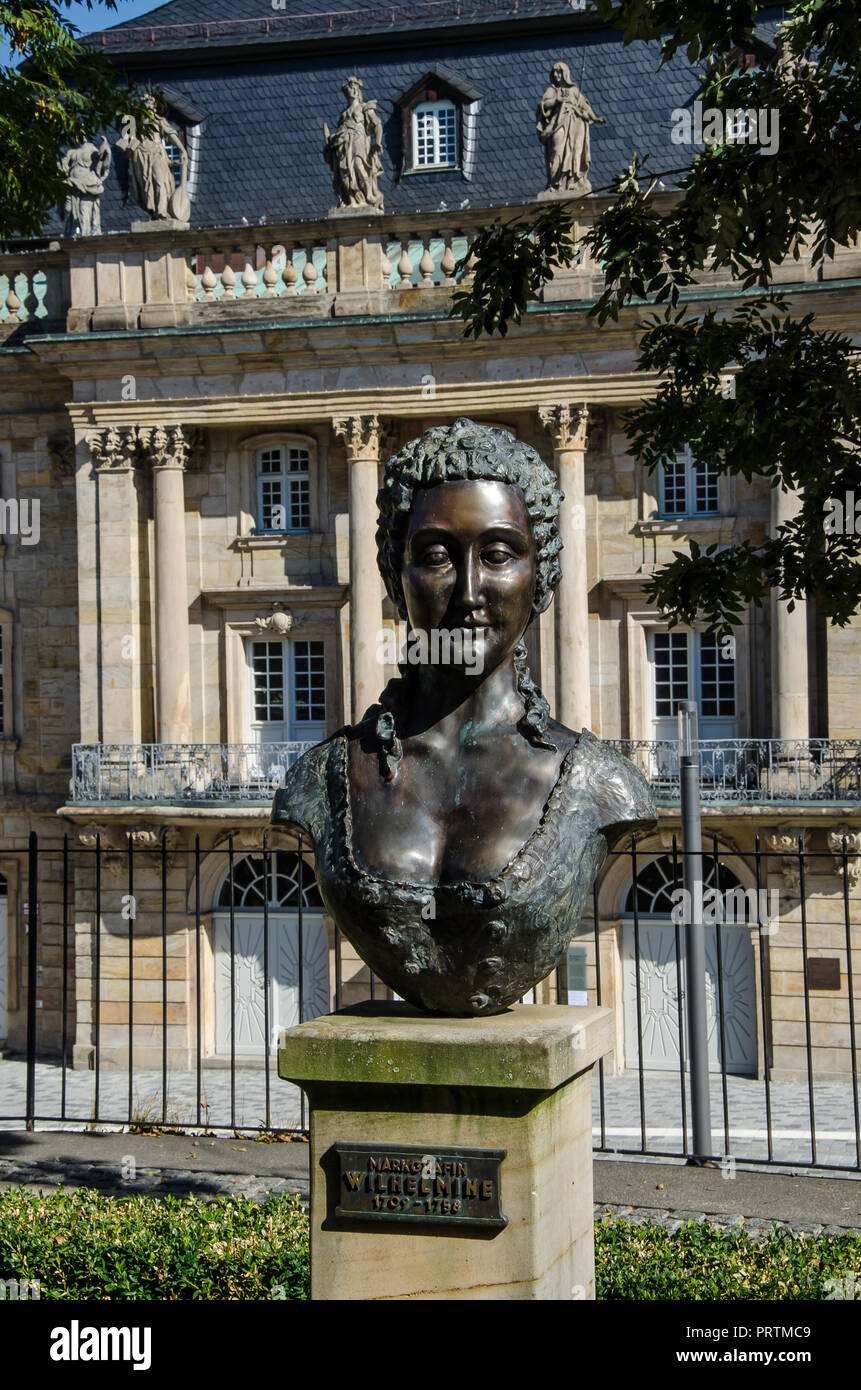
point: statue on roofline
(353, 151)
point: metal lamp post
(695, 947)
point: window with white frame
(434, 126)
(284, 488)
(288, 690)
(687, 488)
(693, 666)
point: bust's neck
(435, 697)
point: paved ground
(834, 1112)
(666, 1193)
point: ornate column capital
(361, 435)
(567, 424)
(114, 450)
(166, 447)
(852, 864)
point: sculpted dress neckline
(549, 810)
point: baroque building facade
(196, 402)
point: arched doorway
(244, 977)
(661, 971)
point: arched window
(284, 488)
(653, 890)
(434, 135)
(285, 869)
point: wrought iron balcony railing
(732, 770)
(180, 772)
(755, 769)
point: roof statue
(353, 152)
(562, 123)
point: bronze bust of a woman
(458, 829)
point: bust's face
(470, 566)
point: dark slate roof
(262, 117)
(183, 24)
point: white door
(247, 977)
(659, 997)
(4, 972)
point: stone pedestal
(450, 1158)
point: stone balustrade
(34, 289)
(159, 277)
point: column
(789, 699)
(568, 428)
(361, 436)
(168, 450)
(109, 597)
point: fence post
(32, 974)
(695, 953)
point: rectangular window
(284, 489)
(671, 672)
(2, 691)
(717, 677)
(687, 488)
(435, 135)
(288, 691)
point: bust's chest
(446, 819)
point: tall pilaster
(361, 436)
(568, 427)
(109, 589)
(789, 698)
(168, 453)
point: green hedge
(699, 1261)
(84, 1245)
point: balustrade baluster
(289, 274)
(426, 264)
(405, 268)
(309, 271)
(448, 262)
(270, 277)
(249, 275)
(228, 277)
(208, 280)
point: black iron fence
(153, 980)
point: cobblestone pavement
(790, 1109)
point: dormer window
(435, 135)
(439, 123)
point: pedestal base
(450, 1158)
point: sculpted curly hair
(466, 452)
